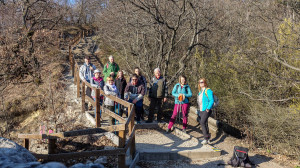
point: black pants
(138, 112)
(204, 123)
(155, 102)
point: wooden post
(121, 157)
(98, 124)
(83, 96)
(51, 146)
(130, 127)
(26, 143)
(73, 64)
(75, 74)
(70, 59)
(78, 82)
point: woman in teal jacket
(205, 101)
(181, 89)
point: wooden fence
(125, 126)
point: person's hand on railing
(134, 101)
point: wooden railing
(126, 125)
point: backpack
(186, 90)
(216, 99)
(240, 158)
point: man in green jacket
(111, 68)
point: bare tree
(161, 34)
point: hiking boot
(149, 121)
(168, 130)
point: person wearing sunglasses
(143, 81)
(134, 93)
(205, 100)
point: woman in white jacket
(110, 89)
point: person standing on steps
(181, 92)
(121, 83)
(110, 89)
(111, 68)
(134, 93)
(86, 72)
(97, 81)
(205, 100)
(158, 93)
(143, 81)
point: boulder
(14, 155)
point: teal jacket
(186, 90)
(207, 100)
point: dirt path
(76, 119)
(221, 141)
(225, 143)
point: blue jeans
(100, 108)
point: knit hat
(97, 71)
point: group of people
(115, 84)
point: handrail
(114, 115)
(131, 136)
(121, 128)
(129, 124)
(129, 117)
(114, 98)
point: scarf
(112, 87)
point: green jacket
(110, 67)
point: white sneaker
(204, 142)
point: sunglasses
(201, 82)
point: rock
(79, 165)
(14, 153)
(101, 160)
(91, 165)
(52, 165)
(88, 162)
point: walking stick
(180, 98)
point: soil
(73, 115)
(225, 143)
